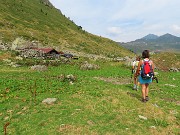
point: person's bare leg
(143, 91)
(135, 82)
(147, 89)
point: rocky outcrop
(20, 44)
(47, 3)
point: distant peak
(167, 35)
(150, 36)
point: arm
(132, 70)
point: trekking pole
(155, 78)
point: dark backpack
(146, 70)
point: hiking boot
(134, 88)
(147, 98)
(144, 100)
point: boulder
(49, 100)
(39, 67)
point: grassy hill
(166, 60)
(36, 20)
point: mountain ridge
(166, 42)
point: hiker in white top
(134, 68)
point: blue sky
(123, 20)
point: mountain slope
(38, 20)
(166, 42)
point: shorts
(144, 81)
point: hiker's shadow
(134, 93)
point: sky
(123, 20)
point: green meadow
(96, 102)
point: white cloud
(176, 28)
(123, 20)
(114, 31)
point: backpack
(146, 70)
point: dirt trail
(118, 81)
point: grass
(89, 106)
(94, 104)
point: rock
(3, 46)
(39, 67)
(71, 83)
(18, 43)
(49, 100)
(170, 85)
(173, 69)
(118, 59)
(155, 105)
(7, 60)
(142, 117)
(153, 127)
(15, 65)
(87, 66)
(19, 58)
(47, 3)
(71, 77)
(6, 118)
(90, 122)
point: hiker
(134, 68)
(145, 78)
